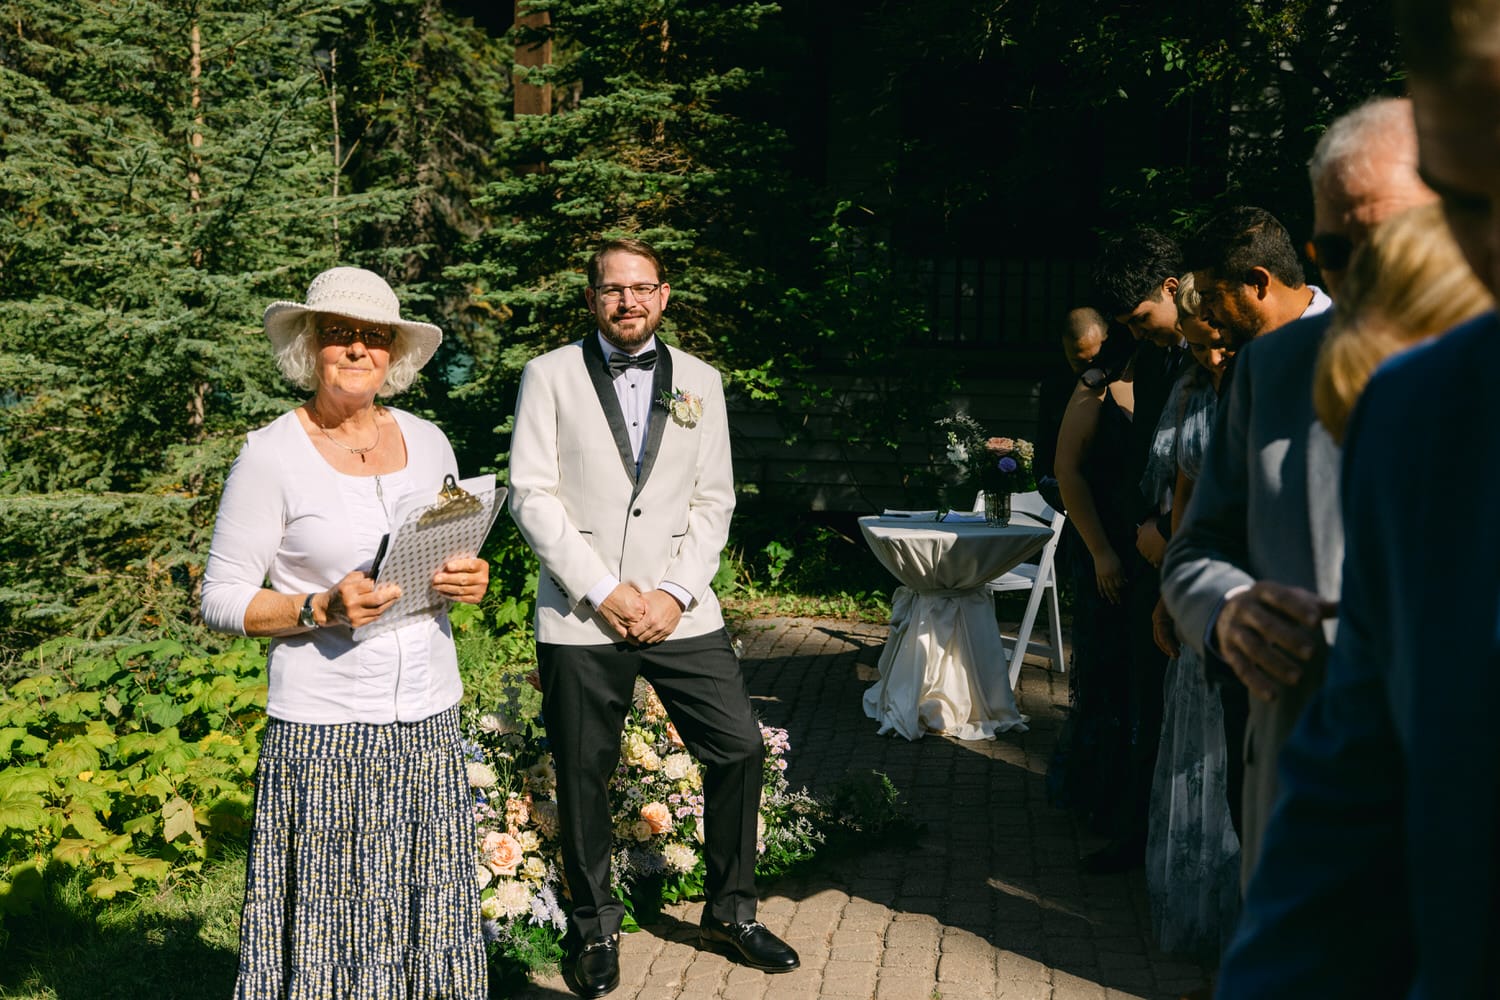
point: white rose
(641, 830)
(534, 869)
(677, 766)
(489, 908)
(695, 407)
(482, 875)
(529, 841)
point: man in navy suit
(1378, 872)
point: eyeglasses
(1330, 251)
(378, 337)
(612, 294)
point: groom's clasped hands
(641, 618)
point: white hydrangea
(480, 775)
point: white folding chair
(1040, 579)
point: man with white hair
(1253, 571)
(1379, 871)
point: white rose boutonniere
(686, 407)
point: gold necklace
(312, 409)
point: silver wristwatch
(305, 618)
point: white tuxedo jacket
(577, 499)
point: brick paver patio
(989, 905)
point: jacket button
(636, 512)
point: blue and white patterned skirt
(360, 880)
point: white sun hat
(354, 293)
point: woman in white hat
(360, 878)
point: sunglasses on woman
(377, 337)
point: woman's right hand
(1109, 575)
(356, 601)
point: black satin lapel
(661, 385)
(604, 388)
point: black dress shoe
(751, 943)
(596, 970)
(1115, 857)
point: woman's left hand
(463, 579)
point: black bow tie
(618, 362)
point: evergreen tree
(647, 138)
(168, 170)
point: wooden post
(531, 99)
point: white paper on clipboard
(428, 534)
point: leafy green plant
(778, 556)
(126, 766)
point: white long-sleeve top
(290, 521)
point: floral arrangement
(988, 463)
(686, 407)
(656, 797)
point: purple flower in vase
(1008, 465)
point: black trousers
(586, 692)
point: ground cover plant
(126, 775)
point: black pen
(379, 555)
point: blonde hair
(1407, 283)
(1189, 300)
(298, 360)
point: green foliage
(128, 766)
(1109, 112)
(645, 140)
(171, 168)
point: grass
(180, 943)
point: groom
(621, 482)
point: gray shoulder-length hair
(298, 360)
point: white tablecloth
(944, 666)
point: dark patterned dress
(1192, 852)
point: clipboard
(426, 536)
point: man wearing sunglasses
(1252, 574)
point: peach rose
(501, 853)
(1000, 445)
(517, 812)
(658, 815)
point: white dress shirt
(633, 390)
(290, 521)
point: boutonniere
(686, 407)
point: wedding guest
(360, 877)
(1254, 570)
(1084, 332)
(1087, 771)
(1192, 852)
(1136, 275)
(1408, 283)
(1378, 872)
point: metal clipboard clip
(453, 502)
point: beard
(629, 332)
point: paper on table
(430, 530)
(964, 516)
(915, 515)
